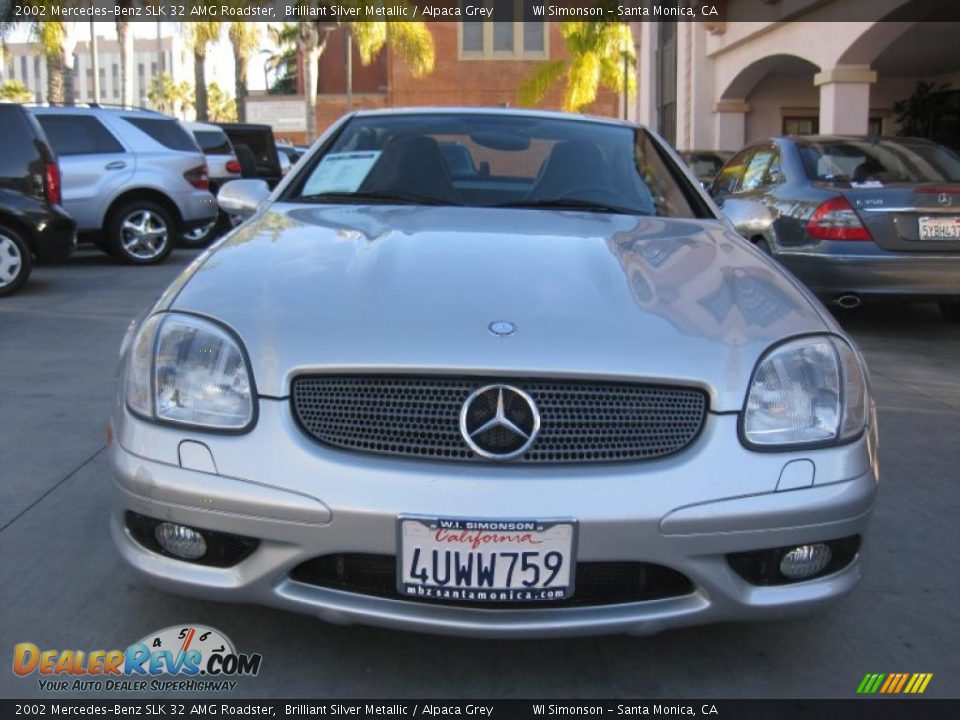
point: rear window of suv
(78, 134)
(168, 133)
(213, 142)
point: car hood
(399, 288)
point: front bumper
(302, 501)
(927, 276)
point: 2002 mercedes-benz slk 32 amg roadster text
(493, 373)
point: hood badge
(502, 328)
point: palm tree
(596, 59)
(282, 62)
(245, 38)
(125, 40)
(51, 37)
(200, 35)
(56, 41)
(410, 40)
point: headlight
(186, 370)
(809, 391)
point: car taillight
(51, 183)
(233, 166)
(837, 220)
(198, 177)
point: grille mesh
(419, 416)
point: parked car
(222, 167)
(565, 398)
(134, 180)
(33, 224)
(705, 164)
(292, 152)
(855, 218)
(256, 150)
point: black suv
(32, 223)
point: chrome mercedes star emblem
(499, 422)
(945, 199)
(502, 328)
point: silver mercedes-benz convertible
(493, 373)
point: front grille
(419, 416)
(595, 583)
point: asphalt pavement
(64, 586)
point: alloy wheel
(11, 261)
(144, 234)
(199, 234)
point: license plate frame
(466, 594)
(951, 221)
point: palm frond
(535, 88)
(413, 42)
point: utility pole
(95, 62)
(348, 44)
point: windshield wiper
(574, 204)
(379, 197)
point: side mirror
(242, 197)
(484, 169)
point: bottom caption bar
(875, 709)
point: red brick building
(477, 64)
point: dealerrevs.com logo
(180, 658)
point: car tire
(950, 311)
(16, 261)
(202, 236)
(140, 233)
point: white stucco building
(806, 69)
(168, 53)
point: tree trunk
(125, 40)
(309, 56)
(200, 84)
(69, 63)
(55, 77)
(240, 63)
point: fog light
(805, 560)
(180, 540)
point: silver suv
(136, 178)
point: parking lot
(65, 586)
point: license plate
(472, 560)
(940, 228)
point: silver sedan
(546, 392)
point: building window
(667, 81)
(36, 71)
(513, 34)
(89, 83)
(23, 71)
(801, 125)
(115, 80)
(471, 37)
(875, 126)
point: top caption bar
(719, 11)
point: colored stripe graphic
(894, 683)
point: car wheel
(16, 262)
(201, 236)
(950, 311)
(141, 233)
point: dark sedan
(854, 218)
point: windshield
(882, 161)
(496, 160)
